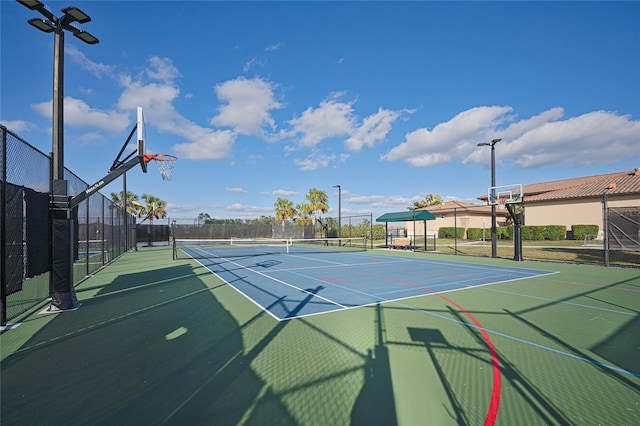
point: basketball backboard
(505, 194)
(141, 139)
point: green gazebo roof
(406, 216)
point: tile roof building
(575, 201)
(579, 201)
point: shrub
(581, 231)
(555, 232)
(544, 232)
(533, 233)
(450, 232)
(502, 233)
(505, 233)
(476, 233)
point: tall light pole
(57, 25)
(339, 210)
(61, 274)
(494, 242)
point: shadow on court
(149, 348)
(161, 342)
(375, 404)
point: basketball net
(165, 162)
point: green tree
(429, 200)
(304, 214)
(133, 205)
(284, 210)
(318, 200)
(203, 218)
(153, 207)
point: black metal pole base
(64, 301)
(62, 292)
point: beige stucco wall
(562, 212)
(576, 212)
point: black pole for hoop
(517, 231)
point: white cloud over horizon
(246, 107)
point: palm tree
(429, 200)
(284, 210)
(304, 213)
(133, 206)
(153, 207)
(318, 200)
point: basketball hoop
(165, 162)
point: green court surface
(157, 341)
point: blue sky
(261, 100)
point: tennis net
(242, 247)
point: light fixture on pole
(58, 25)
(494, 242)
(61, 276)
(339, 210)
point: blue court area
(291, 285)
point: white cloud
(162, 69)
(157, 100)
(17, 126)
(597, 137)
(316, 160)
(424, 147)
(151, 96)
(331, 119)
(78, 113)
(520, 127)
(214, 145)
(97, 69)
(237, 190)
(253, 62)
(281, 193)
(373, 129)
(248, 106)
(274, 47)
(593, 138)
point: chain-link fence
(623, 228)
(621, 233)
(212, 231)
(355, 226)
(102, 230)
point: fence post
(605, 222)
(3, 221)
(87, 237)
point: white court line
(374, 296)
(268, 277)
(337, 265)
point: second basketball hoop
(165, 162)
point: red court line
(494, 405)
